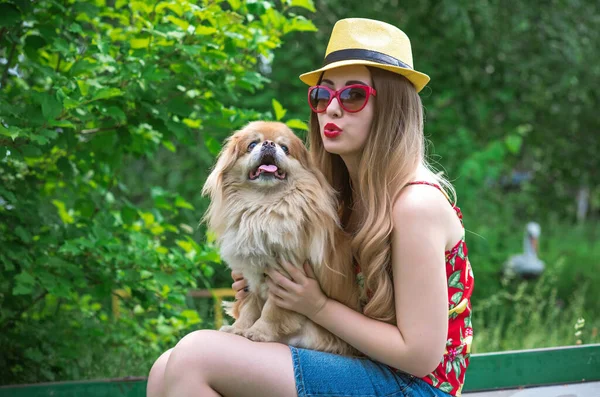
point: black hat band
(364, 55)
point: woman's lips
(331, 130)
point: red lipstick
(331, 130)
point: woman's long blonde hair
(393, 151)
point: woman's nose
(334, 109)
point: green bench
(574, 371)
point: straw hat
(359, 41)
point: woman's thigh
(232, 365)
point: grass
(532, 316)
(515, 315)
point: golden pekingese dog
(269, 202)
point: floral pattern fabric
(449, 375)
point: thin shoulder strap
(435, 185)
(438, 187)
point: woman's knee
(195, 351)
(158, 368)
(157, 374)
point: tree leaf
(202, 30)
(84, 87)
(192, 123)
(24, 283)
(307, 4)
(9, 15)
(279, 110)
(51, 106)
(139, 43)
(183, 24)
(105, 93)
(213, 146)
(300, 24)
(65, 215)
(129, 214)
(298, 124)
(181, 203)
(513, 143)
(12, 132)
(23, 234)
(234, 4)
(60, 123)
(169, 145)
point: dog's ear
(301, 153)
(225, 160)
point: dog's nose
(269, 144)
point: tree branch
(12, 144)
(98, 129)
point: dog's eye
(285, 149)
(251, 145)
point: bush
(90, 91)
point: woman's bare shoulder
(423, 206)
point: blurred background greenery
(111, 113)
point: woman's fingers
(278, 283)
(280, 280)
(236, 275)
(239, 285)
(296, 274)
(309, 270)
(275, 289)
(241, 294)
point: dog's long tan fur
(259, 222)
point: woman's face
(342, 132)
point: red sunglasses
(352, 98)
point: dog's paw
(227, 328)
(257, 335)
(230, 329)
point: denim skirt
(330, 375)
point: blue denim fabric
(330, 375)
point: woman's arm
(416, 345)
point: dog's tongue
(268, 168)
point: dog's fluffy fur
(269, 202)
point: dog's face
(261, 155)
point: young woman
(366, 134)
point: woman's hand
(240, 285)
(301, 294)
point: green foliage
(90, 91)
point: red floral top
(449, 376)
